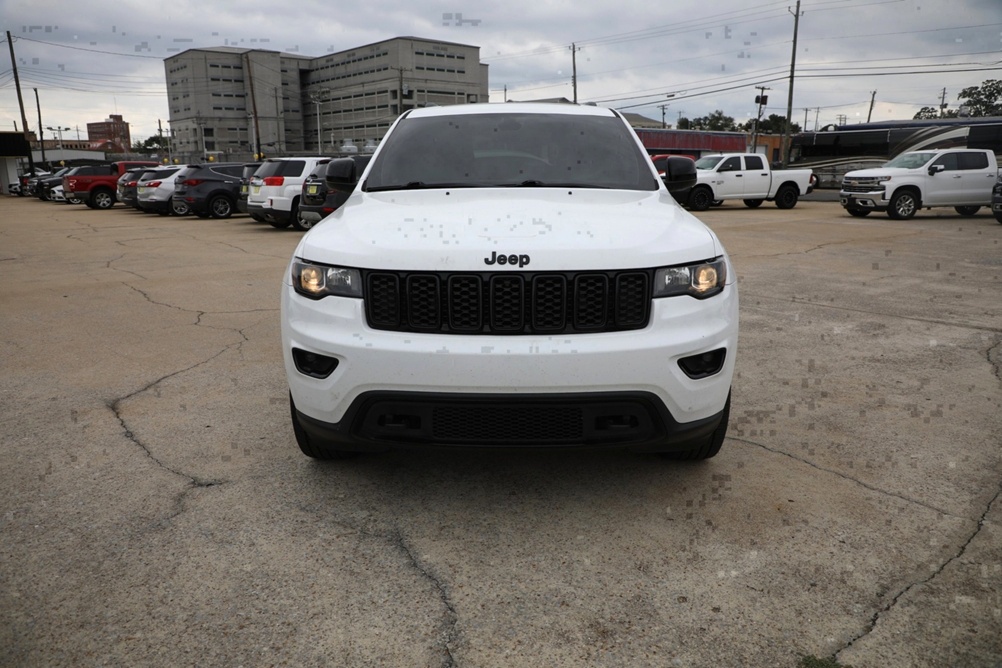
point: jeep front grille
(508, 303)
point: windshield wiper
(421, 185)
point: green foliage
(774, 124)
(715, 122)
(983, 100)
(154, 144)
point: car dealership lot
(155, 509)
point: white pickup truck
(747, 177)
(962, 178)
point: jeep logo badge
(520, 260)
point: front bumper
(631, 379)
(875, 200)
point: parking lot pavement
(155, 510)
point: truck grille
(866, 185)
(508, 303)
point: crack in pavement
(960, 552)
(865, 485)
(448, 635)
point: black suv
(209, 189)
(317, 202)
(125, 191)
(245, 176)
(43, 185)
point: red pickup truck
(96, 185)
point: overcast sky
(95, 58)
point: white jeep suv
(509, 275)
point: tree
(926, 113)
(983, 100)
(715, 122)
(773, 125)
(154, 144)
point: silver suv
(275, 188)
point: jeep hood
(559, 229)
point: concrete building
(233, 102)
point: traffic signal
(761, 99)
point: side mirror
(936, 169)
(342, 174)
(680, 173)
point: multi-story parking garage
(232, 102)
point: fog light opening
(703, 364)
(314, 365)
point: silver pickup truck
(961, 178)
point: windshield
(709, 162)
(910, 160)
(509, 150)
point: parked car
(962, 178)
(749, 178)
(209, 189)
(125, 190)
(155, 192)
(26, 181)
(96, 185)
(495, 281)
(56, 195)
(41, 186)
(275, 189)
(245, 177)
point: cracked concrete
(152, 489)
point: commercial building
(232, 102)
(113, 129)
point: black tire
(700, 198)
(711, 446)
(904, 204)
(73, 200)
(858, 213)
(101, 199)
(179, 208)
(998, 216)
(311, 449)
(786, 197)
(967, 210)
(717, 202)
(753, 203)
(299, 223)
(220, 206)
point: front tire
(858, 213)
(179, 208)
(700, 198)
(753, 203)
(786, 197)
(967, 210)
(306, 444)
(711, 446)
(903, 206)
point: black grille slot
(424, 303)
(508, 302)
(383, 301)
(508, 424)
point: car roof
(513, 108)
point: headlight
(881, 179)
(319, 280)
(701, 280)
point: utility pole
(254, 117)
(873, 97)
(789, 100)
(20, 101)
(942, 104)
(317, 97)
(761, 100)
(663, 108)
(41, 137)
(574, 70)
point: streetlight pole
(59, 130)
